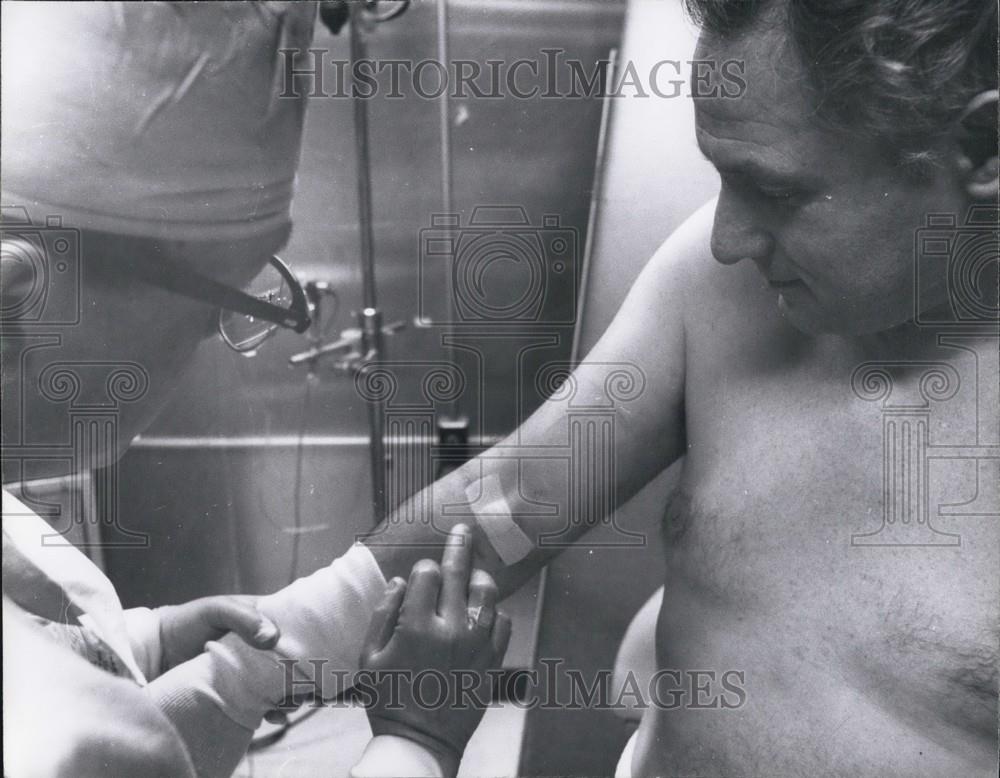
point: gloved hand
(186, 628)
(443, 621)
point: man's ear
(977, 143)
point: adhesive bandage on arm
(493, 515)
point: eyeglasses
(273, 300)
(276, 287)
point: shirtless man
(863, 654)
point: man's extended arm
(616, 424)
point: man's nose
(738, 232)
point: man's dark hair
(897, 70)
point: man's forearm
(419, 528)
(541, 490)
(608, 428)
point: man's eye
(777, 194)
(783, 198)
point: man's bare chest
(857, 513)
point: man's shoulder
(686, 272)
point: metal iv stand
(363, 344)
(452, 427)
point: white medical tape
(493, 515)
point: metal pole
(370, 322)
(452, 426)
(369, 319)
(360, 105)
(447, 204)
(444, 108)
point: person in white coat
(157, 131)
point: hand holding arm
(186, 628)
(443, 623)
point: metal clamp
(357, 345)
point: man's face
(827, 218)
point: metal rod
(447, 203)
(444, 108)
(358, 53)
(369, 319)
(595, 197)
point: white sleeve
(386, 756)
(323, 620)
(142, 626)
